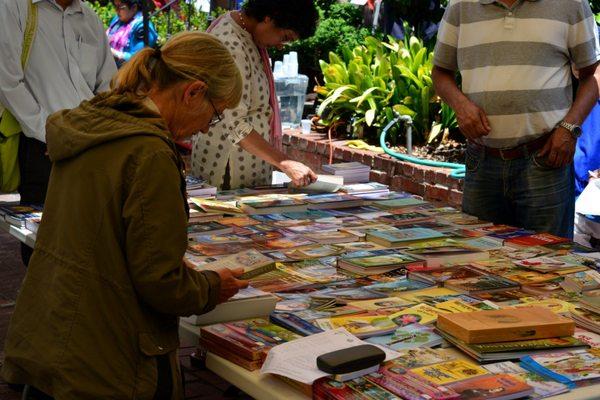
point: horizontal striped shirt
(515, 62)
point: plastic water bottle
(291, 90)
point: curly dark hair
(300, 16)
(131, 3)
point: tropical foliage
(368, 85)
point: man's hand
(299, 173)
(230, 285)
(559, 149)
(472, 120)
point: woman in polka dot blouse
(244, 146)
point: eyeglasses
(216, 116)
(123, 7)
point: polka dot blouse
(213, 151)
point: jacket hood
(104, 118)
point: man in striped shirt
(515, 104)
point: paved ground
(200, 384)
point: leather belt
(520, 151)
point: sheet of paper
(588, 202)
(297, 359)
(324, 183)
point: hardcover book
(359, 326)
(505, 325)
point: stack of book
(353, 172)
(197, 187)
(18, 215)
(246, 342)
(508, 334)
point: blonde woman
(97, 314)
(242, 149)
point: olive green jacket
(100, 302)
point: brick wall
(434, 184)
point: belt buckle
(501, 151)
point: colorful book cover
(421, 313)
(206, 249)
(222, 239)
(408, 337)
(531, 277)
(538, 239)
(566, 367)
(370, 390)
(449, 372)
(331, 389)
(398, 285)
(420, 357)
(311, 252)
(309, 215)
(548, 264)
(455, 306)
(379, 304)
(404, 218)
(262, 331)
(359, 326)
(430, 296)
(229, 207)
(502, 386)
(590, 338)
(408, 385)
(556, 305)
(542, 387)
(286, 243)
(481, 283)
(241, 221)
(359, 246)
(406, 235)
(381, 261)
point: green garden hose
(458, 170)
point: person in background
(97, 316)
(126, 30)
(241, 150)
(70, 61)
(516, 106)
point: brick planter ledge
(434, 184)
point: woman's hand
(230, 285)
(299, 173)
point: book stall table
(267, 387)
(356, 255)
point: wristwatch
(575, 130)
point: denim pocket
(472, 160)
(541, 162)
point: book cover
(449, 372)
(398, 203)
(499, 387)
(455, 306)
(547, 264)
(208, 228)
(408, 337)
(331, 389)
(420, 357)
(312, 251)
(406, 218)
(223, 336)
(408, 235)
(252, 261)
(294, 323)
(370, 390)
(379, 304)
(398, 285)
(381, 261)
(359, 246)
(567, 366)
(430, 296)
(542, 387)
(481, 283)
(421, 314)
(206, 249)
(538, 239)
(408, 385)
(359, 326)
(505, 325)
(557, 306)
(207, 205)
(286, 243)
(330, 237)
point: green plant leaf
(370, 116)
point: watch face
(577, 131)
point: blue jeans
(524, 192)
